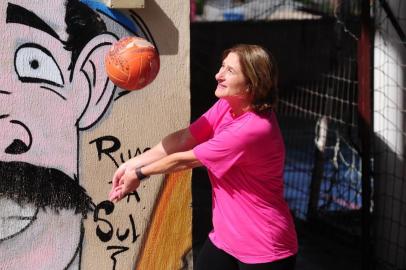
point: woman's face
(230, 79)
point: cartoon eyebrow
(20, 15)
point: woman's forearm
(178, 141)
(172, 163)
(155, 153)
(172, 154)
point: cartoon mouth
(14, 219)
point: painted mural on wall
(53, 87)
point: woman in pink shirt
(239, 141)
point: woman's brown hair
(260, 71)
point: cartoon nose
(16, 137)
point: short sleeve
(203, 128)
(219, 153)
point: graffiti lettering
(135, 194)
(119, 250)
(108, 207)
(107, 145)
(107, 234)
(127, 231)
(108, 150)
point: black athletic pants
(212, 258)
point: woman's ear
(248, 90)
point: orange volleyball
(132, 63)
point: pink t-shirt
(245, 158)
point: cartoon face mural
(52, 86)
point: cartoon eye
(34, 63)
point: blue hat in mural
(115, 15)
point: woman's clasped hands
(124, 181)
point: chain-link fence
(389, 129)
(330, 177)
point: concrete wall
(64, 129)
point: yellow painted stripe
(170, 232)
